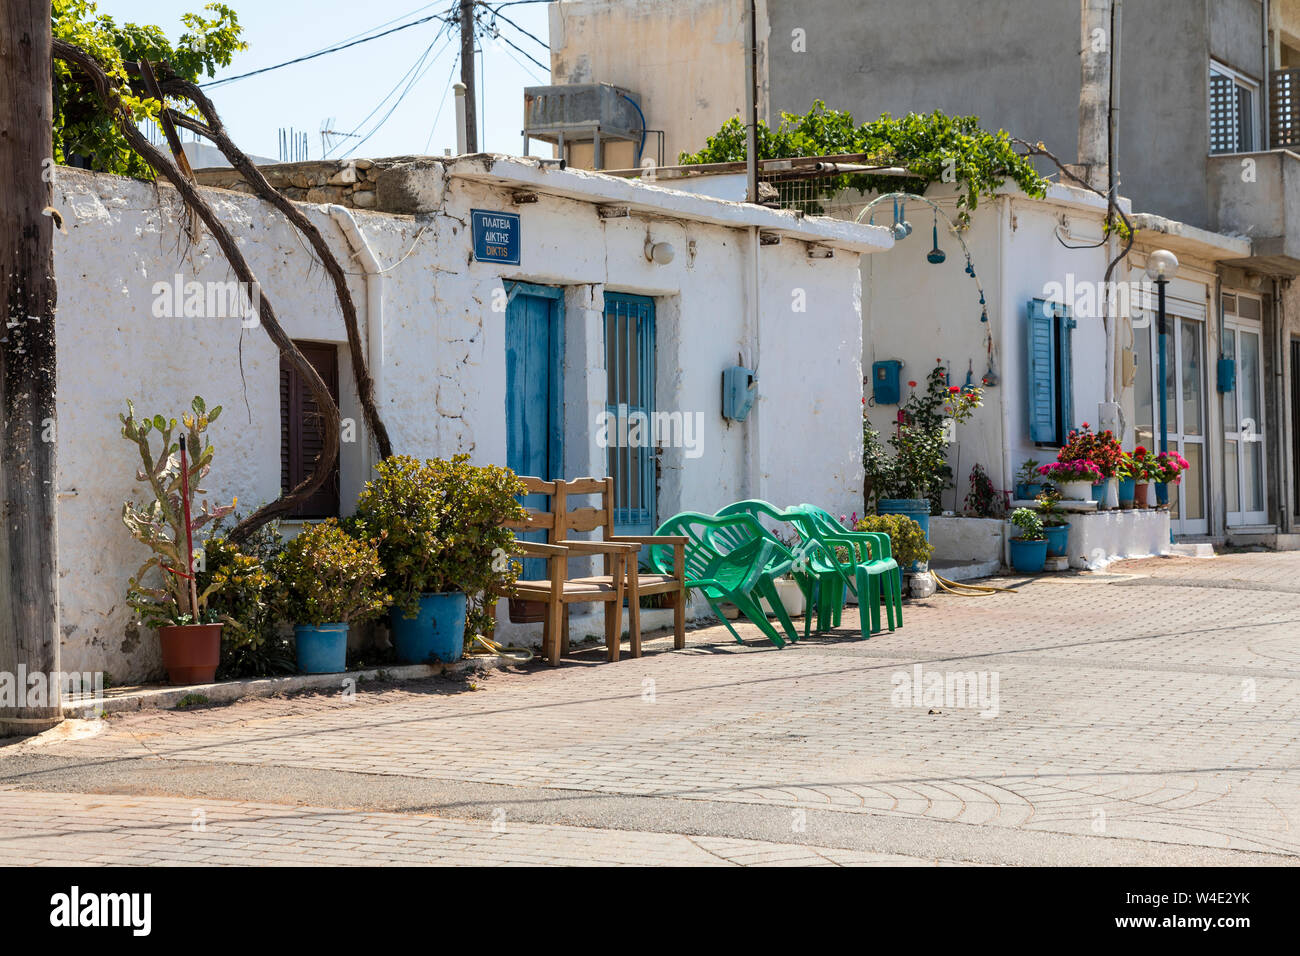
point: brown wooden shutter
(301, 433)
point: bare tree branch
(108, 93)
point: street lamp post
(1162, 266)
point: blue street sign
(496, 236)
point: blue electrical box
(886, 384)
(1227, 375)
(739, 387)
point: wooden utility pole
(467, 74)
(29, 606)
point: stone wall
(351, 183)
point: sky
(347, 86)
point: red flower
(954, 388)
(911, 384)
(1139, 452)
(1085, 424)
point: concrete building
(1209, 115)
(514, 362)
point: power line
(443, 102)
(398, 102)
(501, 16)
(523, 52)
(333, 49)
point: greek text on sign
(496, 236)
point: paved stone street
(1146, 715)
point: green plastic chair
(731, 558)
(819, 575)
(876, 573)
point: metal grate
(630, 373)
(1232, 115)
(1284, 109)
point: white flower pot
(1075, 490)
(791, 596)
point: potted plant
(1126, 481)
(911, 481)
(1141, 464)
(328, 579)
(787, 588)
(1103, 450)
(984, 499)
(1028, 485)
(1168, 468)
(1073, 479)
(189, 633)
(444, 551)
(1056, 527)
(1029, 547)
(908, 544)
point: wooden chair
(638, 582)
(557, 591)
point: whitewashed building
(624, 294)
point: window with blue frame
(1049, 333)
(631, 455)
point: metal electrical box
(1227, 375)
(886, 382)
(739, 388)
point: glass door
(1243, 414)
(1185, 370)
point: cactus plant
(167, 522)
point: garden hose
(492, 649)
(961, 589)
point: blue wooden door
(630, 370)
(534, 394)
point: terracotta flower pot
(191, 652)
(1140, 494)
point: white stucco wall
(919, 312)
(442, 380)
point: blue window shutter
(1065, 324)
(1041, 384)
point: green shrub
(441, 525)
(251, 645)
(1029, 524)
(327, 576)
(906, 539)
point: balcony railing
(1284, 109)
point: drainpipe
(753, 445)
(363, 255)
(1267, 91)
(1004, 283)
(1112, 193)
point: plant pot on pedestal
(1075, 490)
(1126, 488)
(1058, 540)
(190, 652)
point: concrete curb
(167, 697)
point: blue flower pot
(322, 648)
(918, 509)
(1028, 557)
(1058, 540)
(436, 631)
(1099, 492)
(1028, 490)
(1127, 492)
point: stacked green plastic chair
(876, 573)
(730, 558)
(820, 577)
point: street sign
(496, 236)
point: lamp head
(1162, 265)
